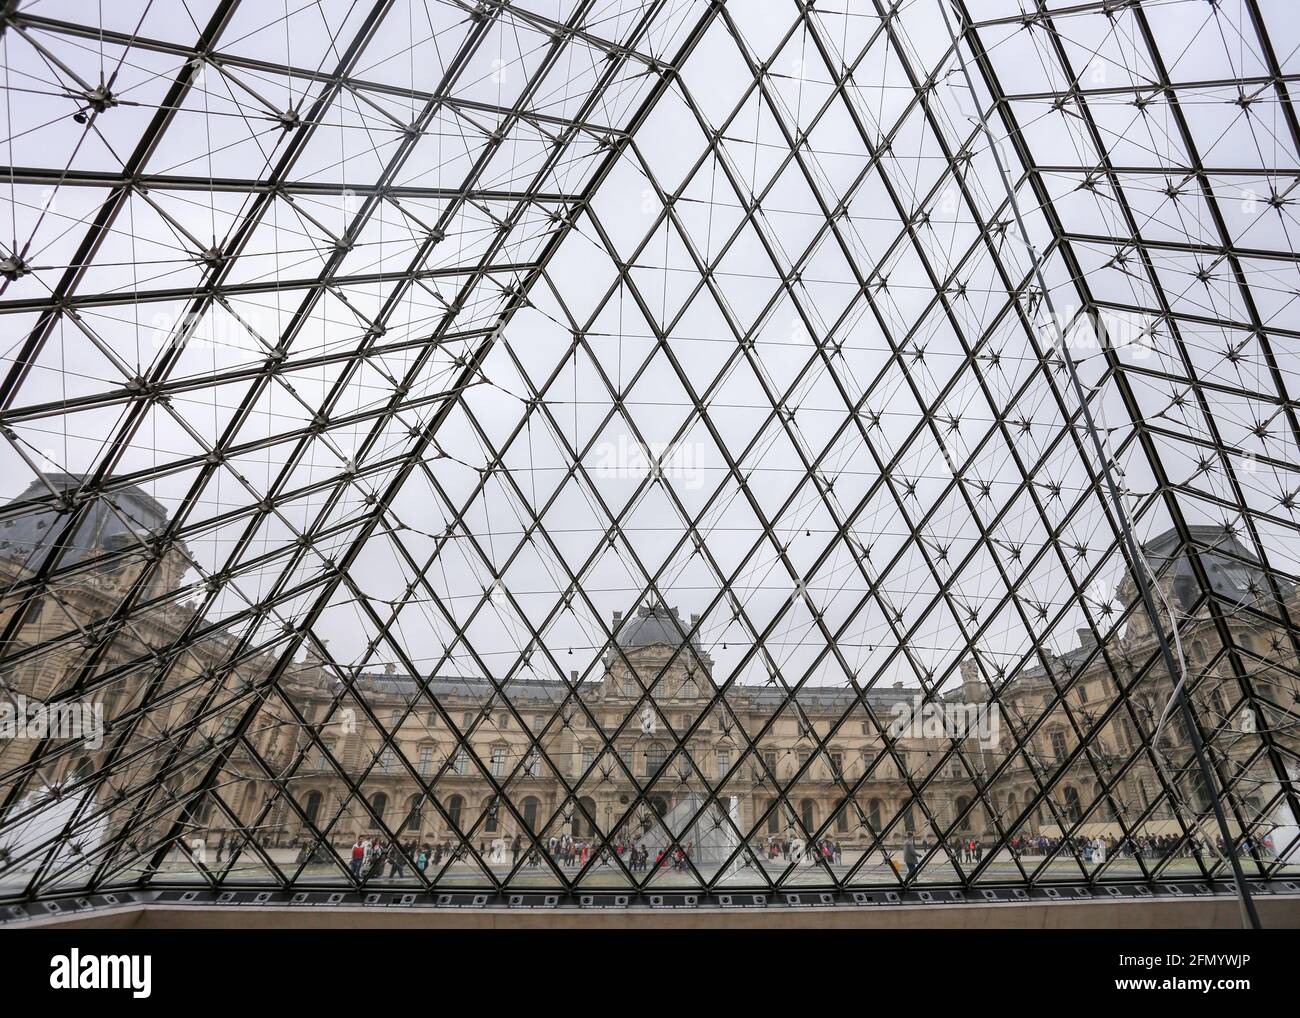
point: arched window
(378, 806)
(1072, 809)
(774, 817)
(414, 812)
(531, 807)
(909, 822)
(1220, 708)
(964, 823)
(584, 823)
(455, 805)
(655, 758)
(314, 800)
(808, 813)
(659, 804)
(491, 821)
(1200, 794)
(873, 814)
(842, 820)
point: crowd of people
(966, 850)
(796, 851)
(1150, 847)
(371, 855)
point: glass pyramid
(648, 444)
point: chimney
(618, 617)
(898, 683)
(1087, 638)
(573, 676)
(695, 619)
(390, 668)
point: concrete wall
(1219, 912)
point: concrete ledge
(1216, 912)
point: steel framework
(419, 337)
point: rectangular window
(498, 761)
(724, 763)
(426, 761)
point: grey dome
(132, 515)
(655, 625)
(1233, 571)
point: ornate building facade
(458, 760)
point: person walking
(910, 860)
